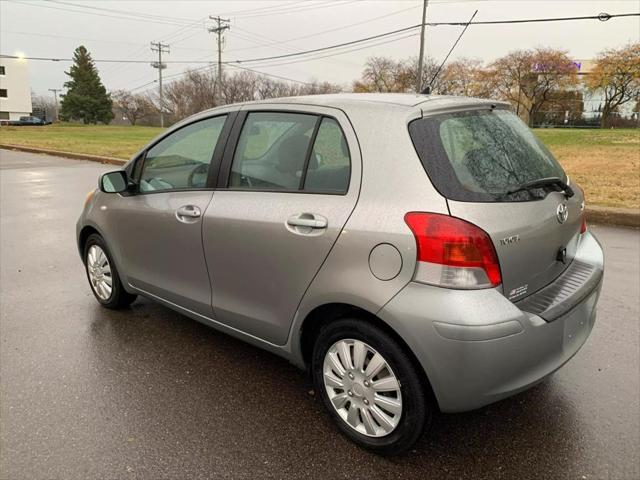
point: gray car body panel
(458, 336)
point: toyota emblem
(562, 212)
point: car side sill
(272, 347)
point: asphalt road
(147, 393)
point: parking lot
(147, 393)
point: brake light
(452, 252)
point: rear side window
(291, 151)
(330, 164)
(272, 150)
(481, 155)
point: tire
(101, 269)
(394, 432)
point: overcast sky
(43, 28)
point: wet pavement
(147, 393)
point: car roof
(351, 100)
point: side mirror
(113, 182)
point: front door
(290, 186)
(160, 228)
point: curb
(628, 217)
(72, 155)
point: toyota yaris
(413, 252)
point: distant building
(15, 93)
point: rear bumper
(477, 347)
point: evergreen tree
(86, 98)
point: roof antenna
(427, 90)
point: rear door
(475, 158)
(285, 192)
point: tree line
(542, 84)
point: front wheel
(370, 386)
(103, 276)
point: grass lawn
(606, 163)
(106, 140)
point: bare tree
(196, 91)
(240, 87)
(462, 77)
(429, 79)
(133, 106)
(530, 78)
(319, 88)
(192, 93)
(382, 74)
(617, 77)
(44, 104)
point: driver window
(181, 160)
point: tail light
(453, 253)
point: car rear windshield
(480, 155)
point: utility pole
(421, 57)
(221, 25)
(160, 48)
(55, 96)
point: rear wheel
(103, 275)
(370, 386)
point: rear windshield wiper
(541, 183)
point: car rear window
(480, 155)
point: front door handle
(188, 212)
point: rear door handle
(187, 212)
(307, 222)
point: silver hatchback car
(413, 252)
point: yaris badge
(562, 212)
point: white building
(15, 93)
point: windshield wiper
(541, 183)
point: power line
(301, 8)
(260, 39)
(279, 77)
(330, 47)
(237, 12)
(122, 12)
(601, 17)
(334, 29)
(343, 52)
(102, 15)
(394, 32)
(373, 37)
(435, 75)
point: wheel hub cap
(362, 388)
(99, 272)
